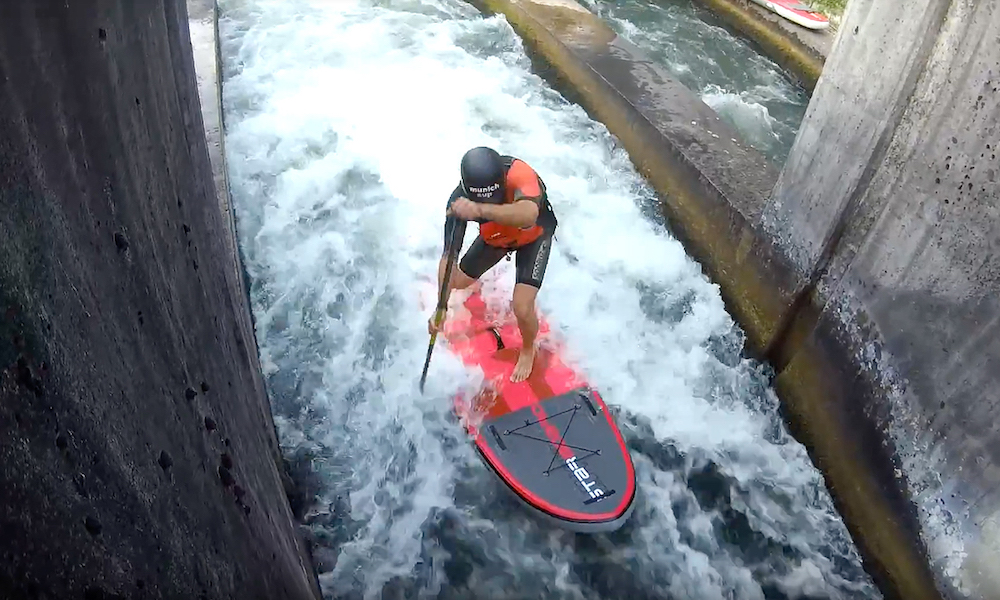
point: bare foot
(525, 360)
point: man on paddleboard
(508, 200)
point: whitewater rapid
(748, 90)
(345, 123)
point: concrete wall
(888, 207)
(137, 452)
(863, 278)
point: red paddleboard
(551, 438)
(796, 12)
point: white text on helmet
(485, 190)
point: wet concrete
(124, 327)
(888, 205)
(765, 252)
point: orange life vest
(509, 236)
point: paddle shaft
(442, 305)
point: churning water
(346, 121)
(747, 89)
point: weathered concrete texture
(137, 452)
(888, 203)
(800, 51)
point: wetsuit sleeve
(454, 228)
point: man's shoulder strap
(508, 160)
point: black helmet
(483, 175)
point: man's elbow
(530, 214)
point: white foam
(753, 118)
(980, 572)
(346, 122)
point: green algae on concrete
(833, 9)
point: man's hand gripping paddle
(443, 293)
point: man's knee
(459, 279)
(524, 301)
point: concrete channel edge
(204, 21)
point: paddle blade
(430, 348)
